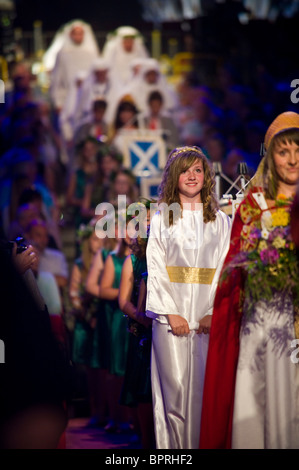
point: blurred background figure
(89, 333)
(21, 173)
(124, 124)
(67, 121)
(123, 183)
(158, 120)
(50, 259)
(83, 172)
(100, 84)
(121, 47)
(96, 126)
(151, 79)
(78, 49)
(36, 380)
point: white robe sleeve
(158, 284)
(58, 85)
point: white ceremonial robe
(266, 411)
(176, 286)
(69, 60)
(266, 404)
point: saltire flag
(145, 155)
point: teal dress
(83, 333)
(90, 344)
(81, 180)
(137, 382)
(117, 331)
(99, 352)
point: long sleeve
(58, 85)
(159, 293)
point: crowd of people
(161, 320)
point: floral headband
(85, 231)
(184, 150)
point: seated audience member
(31, 197)
(123, 183)
(26, 213)
(156, 119)
(125, 123)
(96, 127)
(84, 171)
(151, 79)
(50, 259)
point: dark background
(217, 34)
(101, 14)
(218, 31)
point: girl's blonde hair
(179, 160)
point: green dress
(137, 382)
(99, 356)
(89, 344)
(82, 334)
(81, 180)
(117, 331)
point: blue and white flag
(145, 155)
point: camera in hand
(21, 245)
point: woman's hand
(143, 319)
(178, 325)
(205, 325)
(28, 259)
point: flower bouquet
(269, 257)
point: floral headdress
(86, 230)
(184, 149)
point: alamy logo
(295, 353)
(111, 220)
(295, 93)
(2, 352)
(2, 92)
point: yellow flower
(262, 245)
(280, 218)
(279, 242)
(281, 197)
(273, 270)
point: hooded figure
(120, 49)
(148, 80)
(251, 388)
(75, 47)
(99, 85)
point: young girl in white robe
(185, 253)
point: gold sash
(188, 275)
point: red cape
(222, 360)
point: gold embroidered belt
(188, 275)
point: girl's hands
(178, 325)
(205, 325)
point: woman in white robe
(184, 260)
